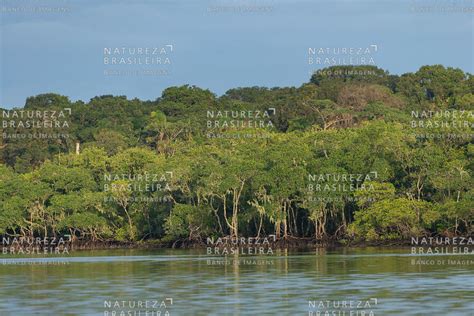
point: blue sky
(217, 44)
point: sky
(58, 45)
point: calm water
(391, 281)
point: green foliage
(188, 221)
(253, 185)
(398, 218)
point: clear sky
(216, 44)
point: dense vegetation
(172, 169)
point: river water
(341, 281)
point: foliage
(250, 181)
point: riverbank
(258, 244)
(288, 243)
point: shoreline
(290, 243)
(222, 242)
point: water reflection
(281, 283)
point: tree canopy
(356, 153)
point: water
(391, 281)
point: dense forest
(371, 157)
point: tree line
(373, 157)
